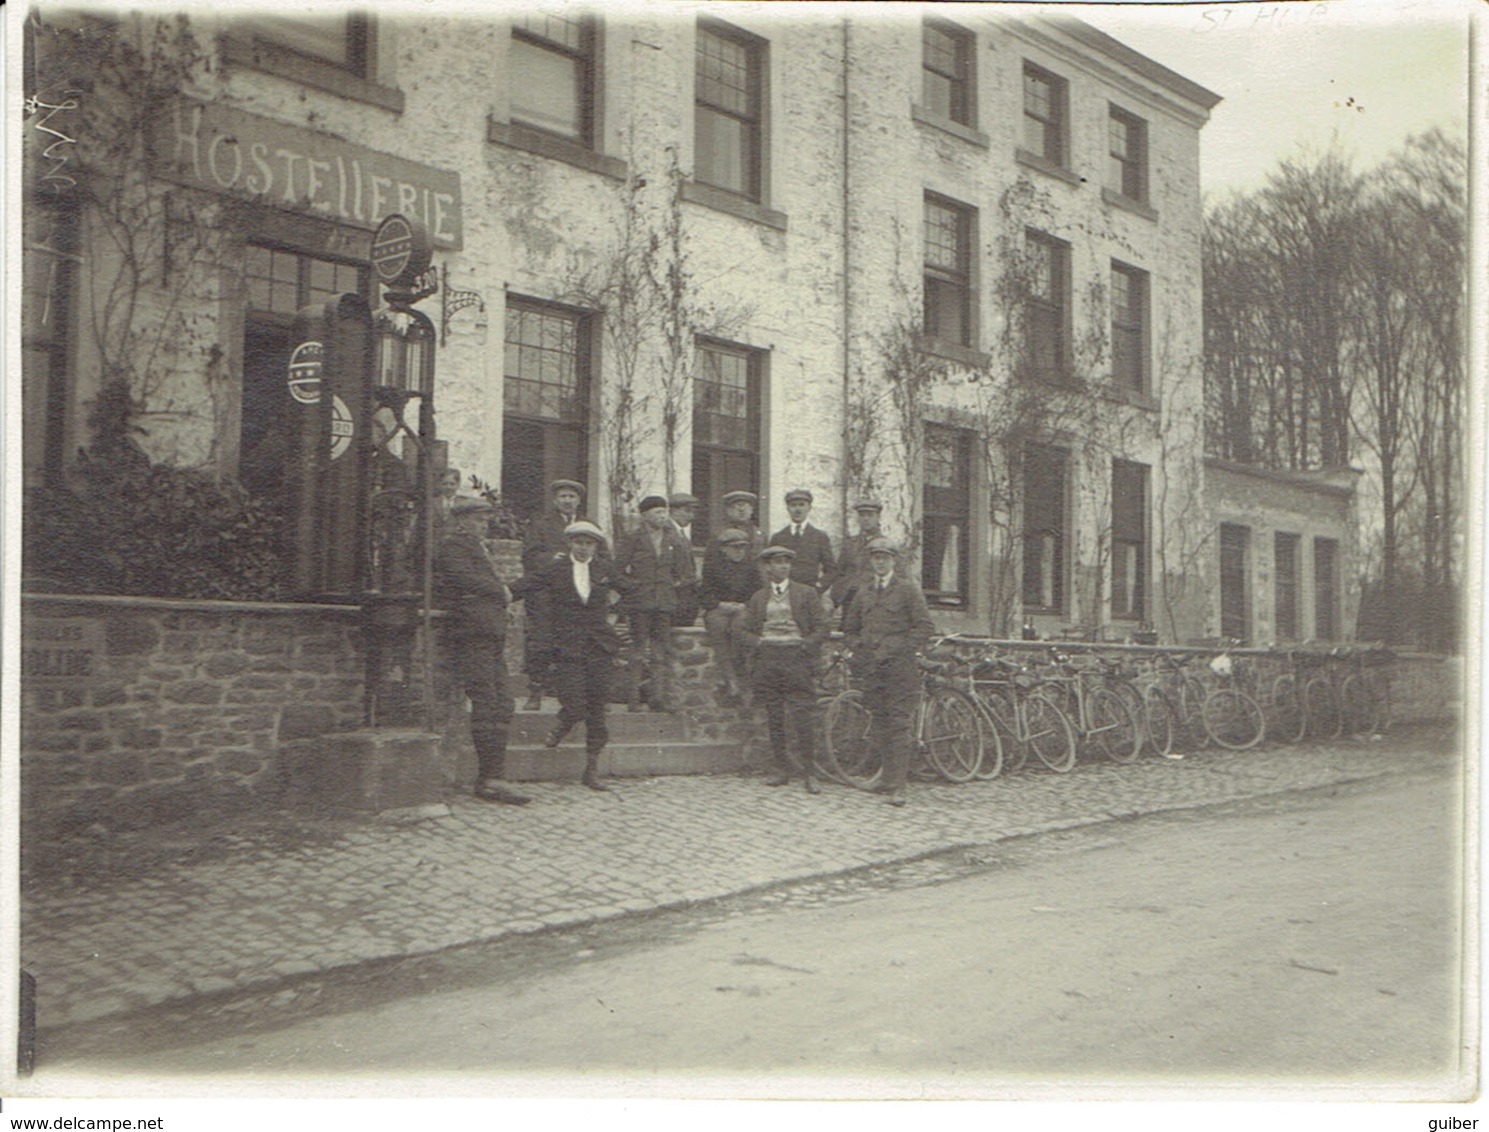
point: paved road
(1291, 941)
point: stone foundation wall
(162, 709)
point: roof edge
(1149, 68)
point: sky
(1287, 72)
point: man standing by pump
(474, 639)
(543, 542)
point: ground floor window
(1129, 542)
(1285, 575)
(1235, 552)
(545, 396)
(946, 508)
(1044, 529)
(1326, 589)
(726, 429)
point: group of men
(767, 607)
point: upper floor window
(1046, 306)
(726, 428)
(552, 73)
(344, 40)
(728, 111)
(1044, 529)
(948, 271)
(1045, 114)
(1127, 146)
(1129, 540)
(1129, 327)
(947, 87)
(947, 514)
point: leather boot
(491, 757)
(591, 775)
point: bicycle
(1102, 720)
(1232, 719)
(1147, 702)
(1287, 720)
(1025, 717)
(946, 733)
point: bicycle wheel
(1287, 720)
(1191, 701)
(850, 756)
(1158, 720)
(1001, 712)
(1048, 732)
(1356, 712)
(1232, 719)
(1112, 728)
(1321, 707)
(951, 734)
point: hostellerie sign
(223, 150)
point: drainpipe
(847, 274)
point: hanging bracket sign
(401, 251)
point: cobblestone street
(264, 906)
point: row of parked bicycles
(987, 708)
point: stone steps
(530, 728)
(529, 763)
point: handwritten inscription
(1259, 16)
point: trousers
(784, 686)
(582, 684)
(480, 665)
(724, 637)
(651, 642)
(891, 689)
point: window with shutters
(1285, 577)
(1326, 589)
(1235, 605)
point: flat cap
(559, 485)
(741, 497)
(651, 503)
(682, 499)
(584, 527)
(469, 505)
(882, 546)
(800, 493)
(776, 552)
(732, 537)
(868, 505)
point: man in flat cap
(578, 587)
(814, 565)
(739, 511)
(543, 542)
(785, 626)
(680, 509)
(474, 637)
(853, 565)
(659, 566)
(887, 625)
(728, 583)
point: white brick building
(931, 253)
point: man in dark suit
(813, 565)
(543, 542)
(785, 626)
(853, 564)
(578, 588)
(659, 567)
(888, 623)
(474, 637)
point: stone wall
(168, 708)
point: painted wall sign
(61, 648)
(225, 150)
